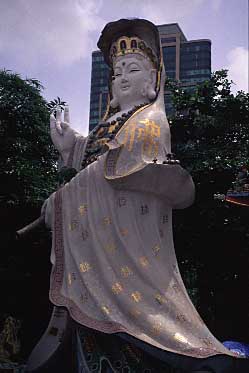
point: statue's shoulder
(156, 116)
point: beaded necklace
(102, 134)
(105, 132)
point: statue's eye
(132, 70)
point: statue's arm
(67, 141)
(171, 183)
(45, 219)
(47, 211)
(132, 168)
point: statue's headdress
(128, 45)
(128, 36)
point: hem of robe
(108, 327)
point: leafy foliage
(210, 129)
(56, 104)
(28, 176)
(210, 135)
(27, 156)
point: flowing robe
(114, 264)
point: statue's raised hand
(62, 135)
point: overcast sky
(52, 40)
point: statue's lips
(125, 87)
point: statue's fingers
(64, 125)
(58, 115)
(58, 121)
(52, 123)
(54, 126)
(66, 114)
(58, 127)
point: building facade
(188, 61)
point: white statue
(114, 264)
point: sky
(52, 40)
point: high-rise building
(188, 61)
(99, 88)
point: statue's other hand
(62, 135)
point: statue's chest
(98, 139)
(102, 134)
(96, 144)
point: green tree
(27, 156)
(28, 176)
(210, 128)
(210, 136)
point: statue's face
(133, 74)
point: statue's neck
(124, 109)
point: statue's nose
(124, 77)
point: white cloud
(238, 68)
(58, 33)
(216, 4)
(34, 30)
(167, 11)
(52, 40)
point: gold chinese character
(107, 221)
(126, 271)
(180, 317)
(156, 327)
(207, 342)
(148, 135)
(110, 247)
(83, 209)
(83, 297)
(143, 261)
(121, 201)
(136, 296)
(179, 337)
(117, 288)
(156, 250)
(161, 299)
(129, 138)
(105, 310)
(73, 225)
(84, 234)
(175, 287)
(124, 232)
(144, 209)
(85, 267)
(135, 313)
(165, 219)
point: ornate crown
(133, 44)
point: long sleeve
(76, 154)
(171, 183)
(47, 211)
(130, 161)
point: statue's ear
(153, 76)
(151, 92)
